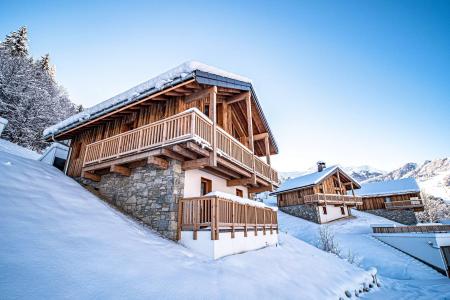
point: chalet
(321, 196)
(178, 152)
(397, 200)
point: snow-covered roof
(53, 146)
(180, 73)
(240, 200)
(390, 187)
(7, 146)
(306, 180)
(3, 121)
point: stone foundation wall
(148, 194)
(304, 211)
(403, 216)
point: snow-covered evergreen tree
(30, 99)
(435, 209)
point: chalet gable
(315, 178)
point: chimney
(3, 123)
(320, 166)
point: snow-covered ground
(58, 241)
(401, 276)
(7, 146)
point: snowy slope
(58, 241)
(401, 276)
(7, 146)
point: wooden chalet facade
(397, 200)
(196, 118)
(321, 196)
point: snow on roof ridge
(306, 179)
(158, 83)
(396, 186)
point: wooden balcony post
(180, 219)
(245, 218)
(225, 116)
(120, 145)
(193, 123)
(353, 191)
(271, 222)
(217, 218)
(256, 221)
(194, 218)
(264, 221)
(233, 216)
(250, 133)
(213, 117)
(213, 218)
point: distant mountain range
(433, 176)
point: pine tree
(30, 98)
(17, 42)
(44, 64)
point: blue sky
(349, 82)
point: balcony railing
(416, 229)
(188, 125)
(214, 213)
(333, 199)
(416, 203)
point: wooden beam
(251, 143)
(186, 153)
(260, 136)
(158, 162)
(197, 149)
(124, 171)
(225, 116)
(213, 117)
(233, 167)
(240, 181)
(195, 164)
(260, 189)
(267, 149)
(91, 176)
(200, 94)
(171, 154)
(238, 97)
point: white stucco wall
(333, 213)
(424, 246)
(192, 181)
(225, 245)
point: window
(239, 193)
(324, 210)
(387, 200)
(321, 189)
(205, 186)
(342, 210)
(206, 109)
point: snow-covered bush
(327, 241)
(30, 98)
(435, 209)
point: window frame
(208, 186)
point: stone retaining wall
(403, 216)
(304, 211)
(148, 194)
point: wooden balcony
(187, 136)
(416, 204)
(333, 199)
(214, 213)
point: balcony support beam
(195, 164)
(213, 117)
(186, 153)
(158, 162)
(91, 176)
(124, 171)
(260, 189)
(197, 149)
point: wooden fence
(418, 229)
(403, 204)
(188, 125)
(214, 213)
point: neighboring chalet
(178, 152)
(397, 200)
(321, 196)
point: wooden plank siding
(377, 202)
